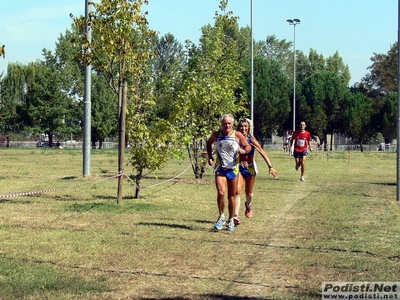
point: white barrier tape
(55, 189)
(146, 187)
(74, 186)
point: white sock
(237, 208)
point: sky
(355, 28)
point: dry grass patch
(339, 225)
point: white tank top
(227, 148)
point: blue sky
(355, 28)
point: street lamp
(87, 107)
(294, 22)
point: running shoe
(296, 167)
(236, 220)
(302, 178)
(220, 222)
(248, 211)
(231, 225)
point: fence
(347, 147)
(267, 146)
(66, 144)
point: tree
(243, 40)
(209, 84)
(104, 111)
(104, 103)
(387, 117)
(119, 50)
(153, 145)
(168, 65)
(335, 64)
(65, 63)
(155, 140)
(380, 86)
(321, 103)
(279, 51)
(357, 116)
(68, 62)
(46, 104)
(382, 79)
(33, 99)
(308, 65)
(12, 96)
(271, 96)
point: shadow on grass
(384, 183)
(204, 222)
(377, 183)
(69, 178)
(166, 225)
(125, 198)
(102, 197)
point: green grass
(23, 279)
(72, 241)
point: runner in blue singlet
(228, 143)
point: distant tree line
(177, 93)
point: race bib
(300, 143)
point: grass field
(72, 241)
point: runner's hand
(274, 173)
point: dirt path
(268, 272)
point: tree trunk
(324, 142)
(121, 137)
(137, 181)
(191, 160)
(50, 134)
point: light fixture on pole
(294, 22)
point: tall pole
(294, 77)
(294, 22)
(252, 66)
(398, 106)
(87, 101)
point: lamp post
(398, 105)
(252, 67)
(294, 22)
(87, 100)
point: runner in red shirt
(301, 140)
